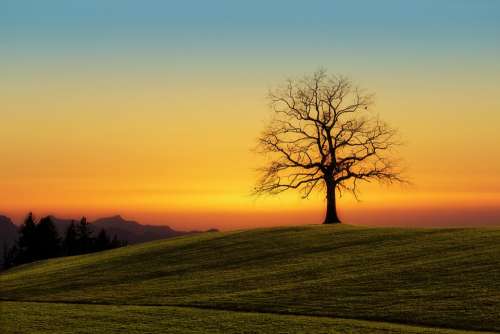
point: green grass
(428, 277)
(25, 317)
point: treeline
(40, 240)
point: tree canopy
(323, 136)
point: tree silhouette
(27, 240)
(70, 242)
(323, 137)
(48, 243)
(38, 241)
(85, 239)
(102, 242)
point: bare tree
(323, 137)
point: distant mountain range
(127, 230)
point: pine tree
(48, 243)
(70, 243)
(85, 240)
(102, 241)
(27, 241)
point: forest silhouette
(40, 240)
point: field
(323, 279)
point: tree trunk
(331, 205)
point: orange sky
(162, 134)
(182, 154)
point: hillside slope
(64, 318)
(434, 277)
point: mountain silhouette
(133, 232)
(127, 230)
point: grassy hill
(329, 275)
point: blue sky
(43, 26)
(252, 38)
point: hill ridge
(445, 278)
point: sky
(150, 109)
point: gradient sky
(150, 108)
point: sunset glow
(151, 110)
